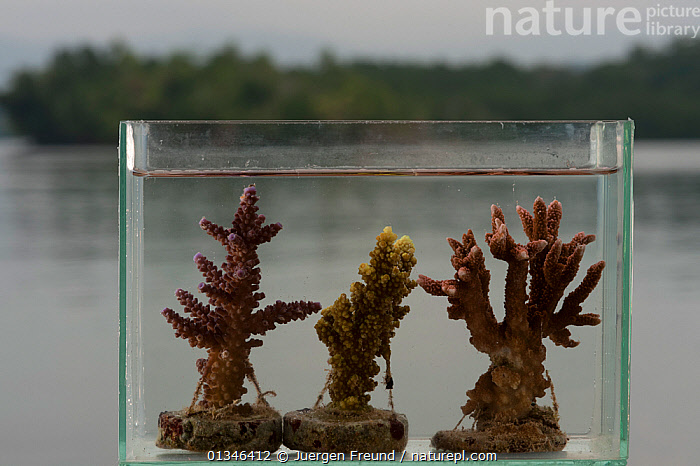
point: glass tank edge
(122, 289)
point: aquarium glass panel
(334, 186)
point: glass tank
(460, 288)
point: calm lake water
(58, 255)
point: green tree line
(82, 94)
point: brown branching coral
(358, 329)
(515, 346)
(225, 325)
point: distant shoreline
(83, 92)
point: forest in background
(83, 92)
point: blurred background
(71, 70)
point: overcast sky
(294, 31)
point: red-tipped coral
(225, 325)
(516, 377)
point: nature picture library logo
(553, 19)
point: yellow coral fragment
(359, 329)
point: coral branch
(569, 314)
(539, 211)
(527, 221)
(554, 214)
(468, 292)
(280, 313)
(196, 332)
(213, 230)
(226, 329)
(590, 281)
(431, 286)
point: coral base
(258, 430)
(537, 432)
(328, 430)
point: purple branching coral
(226, 328)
